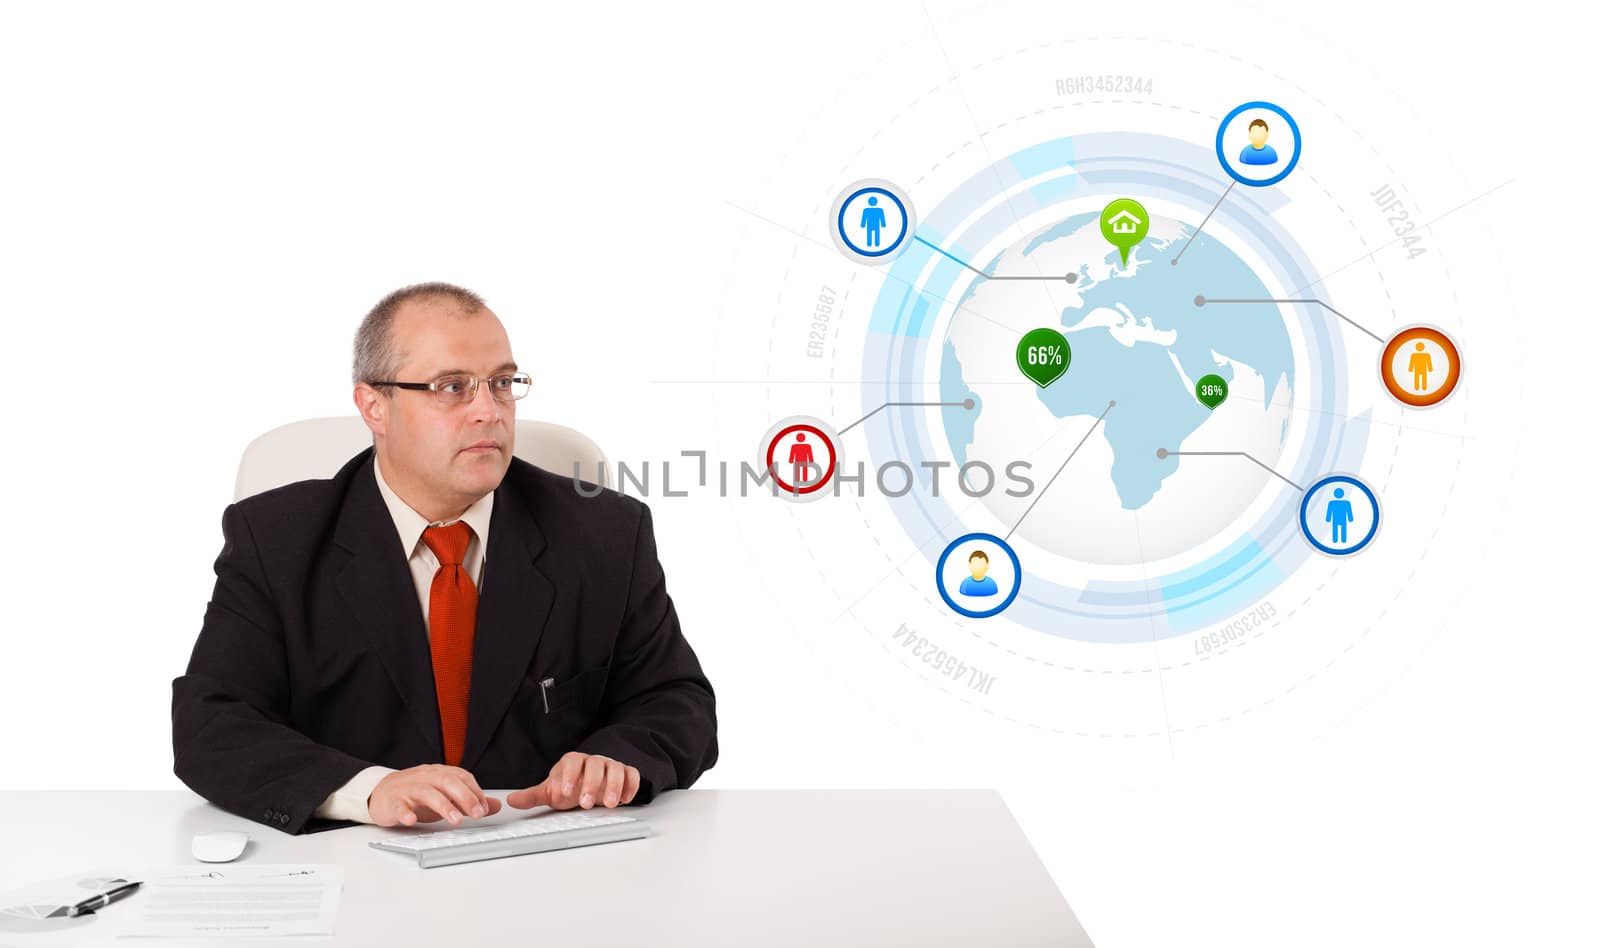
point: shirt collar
(409, 524)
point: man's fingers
(594, 778)
(462, 796)
(616, 773)
(568, 779)
(428, 793)
(467, 778)
(431, 796)
(579, 779)
(537, 795)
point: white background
(197, 202)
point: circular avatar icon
(1339, 515)
(872, 221)
(1258, 144)
(802, 456)
(1420, 366)
(984, 573)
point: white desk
(723, 867)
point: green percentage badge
(1124, 223)
(1212, 390)
(1043, 356)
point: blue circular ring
(1016, 569)
(1252, 182)
(1305, 502)
(905, 219)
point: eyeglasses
(450, 390)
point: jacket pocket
(581, 692)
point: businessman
(439, 616)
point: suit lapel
(376, 584)
(512, 612)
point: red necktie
(452, 616)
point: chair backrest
(318, 447)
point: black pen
(97, 902)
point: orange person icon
(1420, 365)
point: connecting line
(1163, 453)
(1185, 248)
(962, 404)
(1202, 300)
(1069, 278)
(1063, 467)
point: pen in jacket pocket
(544, 695)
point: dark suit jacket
(313, 660)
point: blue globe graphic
(1137, 339)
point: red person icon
(801, 457)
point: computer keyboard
(564, 829)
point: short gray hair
(376, 358)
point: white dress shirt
(349, 802)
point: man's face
(447, 455)
(1258, 135)
(979, 567)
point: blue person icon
(1343, 501)
(1341, 515)
(1258, 152)
(979, 584)
(873, 219)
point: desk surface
(723, 867)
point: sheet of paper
(227, 901)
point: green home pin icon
(1124, 223)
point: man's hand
(581, 780)
(427, 794)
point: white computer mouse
(219, 846)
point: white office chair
(318, 447)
